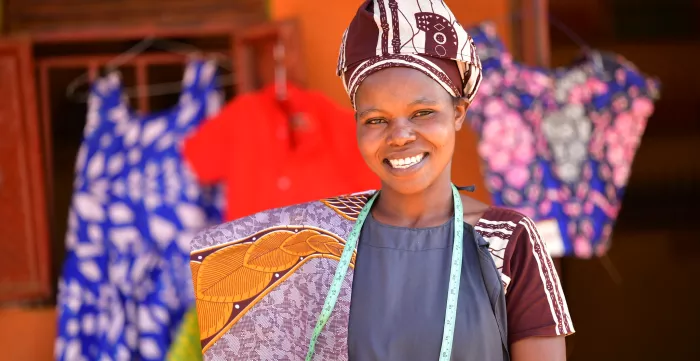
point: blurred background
(638, 301)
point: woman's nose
(401, 133)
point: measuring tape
(452, 291)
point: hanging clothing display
(558, 145)
(271, 156)
(126, 285)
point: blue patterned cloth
(558, 145)
(126, 283)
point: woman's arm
(539, 349)
(538, 316)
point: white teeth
(406, 162)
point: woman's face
(406, 124)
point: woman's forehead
(398, 84)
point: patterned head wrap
(419, 34)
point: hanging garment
(558, 145)
(125, 286)
(268, 160)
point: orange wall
(321, 43)
(322, 28)
(27, 334)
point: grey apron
(399, 294)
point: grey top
(399, 297)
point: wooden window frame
(36, 104)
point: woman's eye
(374, 121)
(422, 113)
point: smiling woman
(407, 137)
(414, 271)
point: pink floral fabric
(559, 144)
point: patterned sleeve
(535, 302)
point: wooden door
(24, 246)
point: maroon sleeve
(535, 302)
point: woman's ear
(461, 105)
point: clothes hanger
(519, 15)
(281, 95)
(596, 57)
(557, 24)
(296, 120)
(278, 55)
(191, 52)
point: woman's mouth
(405, 163)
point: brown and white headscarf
(419, 34)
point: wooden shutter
(24, 246)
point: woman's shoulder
(504, 226)
(344, 203)
(535, 301)
(510, 234)
(506, 215)
(336, 214)
(476, 212)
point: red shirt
(265, 163)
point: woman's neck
(432, 207)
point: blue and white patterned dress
(126, 283)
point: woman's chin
(406, 186)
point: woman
(435, 275)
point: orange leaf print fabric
(298, 245)
(212, 317)
(266, 254)
(231, 278)
(223, 277)
(318, 243)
